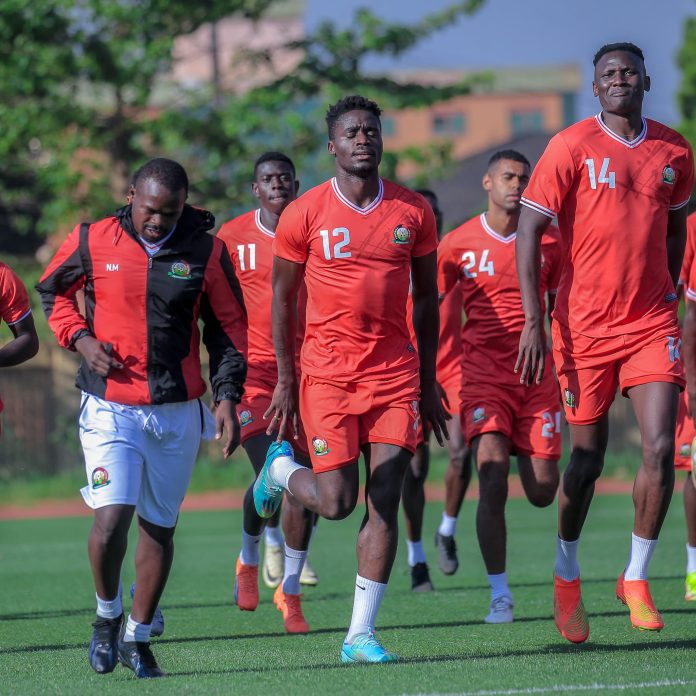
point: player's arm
(528, 252)
(676, 241)
(25, 344)
(426, 323)
(225, 337)
(283, 410)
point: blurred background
(90, 89)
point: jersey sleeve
(551, 179)
(688, 250)
(14, 300)
(290, 242)
(226, 234)
(447, 271)
(426, 239)
(684, 183)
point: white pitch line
(564, 687)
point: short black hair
(353, 102)
(626, 46)
(513, 155)
(166, 172)
(273, 156)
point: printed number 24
(469, 261)
(551, 424)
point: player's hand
(283, 412)
(432, 410)
(226, 421)
(97, 355)
(443, 398)
(532, 355)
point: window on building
(388, 126)
(531, 121)
(449, 124)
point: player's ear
(330, 147)
(297, 186)
(486, 182)
(255, 189)
(130, 194)
(595, 91)
(646, 83)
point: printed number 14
(605, 176)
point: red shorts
(684, 436)
(340, 417)
(590, 369)
(530, 417)
(254, 404)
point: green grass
(210, 647)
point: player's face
(356, 143)
(435, 205)
(156, 209)
(275, 186)
(505, 182)
(620, 82)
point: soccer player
(499, 415)
(619, 184)
(148, 272)
(354, 239)
(458, 472)
(249, 239)
(686, 431)
(16, 313)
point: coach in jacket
(149, 273)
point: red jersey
(357, 265)
(250, 245)
(689, 254)
(482, 263)
(14, 301)
(612, 198)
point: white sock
(567, 566)
(110, 608)
(368, 597)
(448, 525)
(249, 554)
(416, 553)
(499, 586)
(294, 560)
(274, 536)
(690, 559)
(136, 632)
(281, 470)
(641, 553)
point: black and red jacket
(148, 307)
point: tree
(686, 59)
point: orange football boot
(246, 586)
(289, 604)
(635, 594)
(568, 610)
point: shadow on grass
(560, 649)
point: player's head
(620, 80)
(274, 183)
(355, 135)
(431, 197)
(157, 195)
(505, 179)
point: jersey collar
(494, 234)
(262, 228)
(631, 144)
(363, 211)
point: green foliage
(686, 59)
(77, 79)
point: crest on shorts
(410, 348)
(668, 175)
(180, 270)
(685, 450)
(479, 414)
(569, 398)
(245, 418)
(321, 446)
(100, 477)
(416, 414)
(401, 235)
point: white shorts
(141, 455)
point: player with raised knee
(249, 239)
(684, 449)
(500, 416)
(458, 472)
(355, 240)
(619, 184)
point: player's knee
(658, 453)
(107, 531)
(543, 495)
(493, 481)
(585, 467)
(338, 508)
(416, 474)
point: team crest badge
(180, 270)
(245, 418)
(685, 450)
(321, 447)
(100, 478)
(569, 398)
(410, 348)
(401, 235)
(668, 175)
(478, 415)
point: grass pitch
(210, 647)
